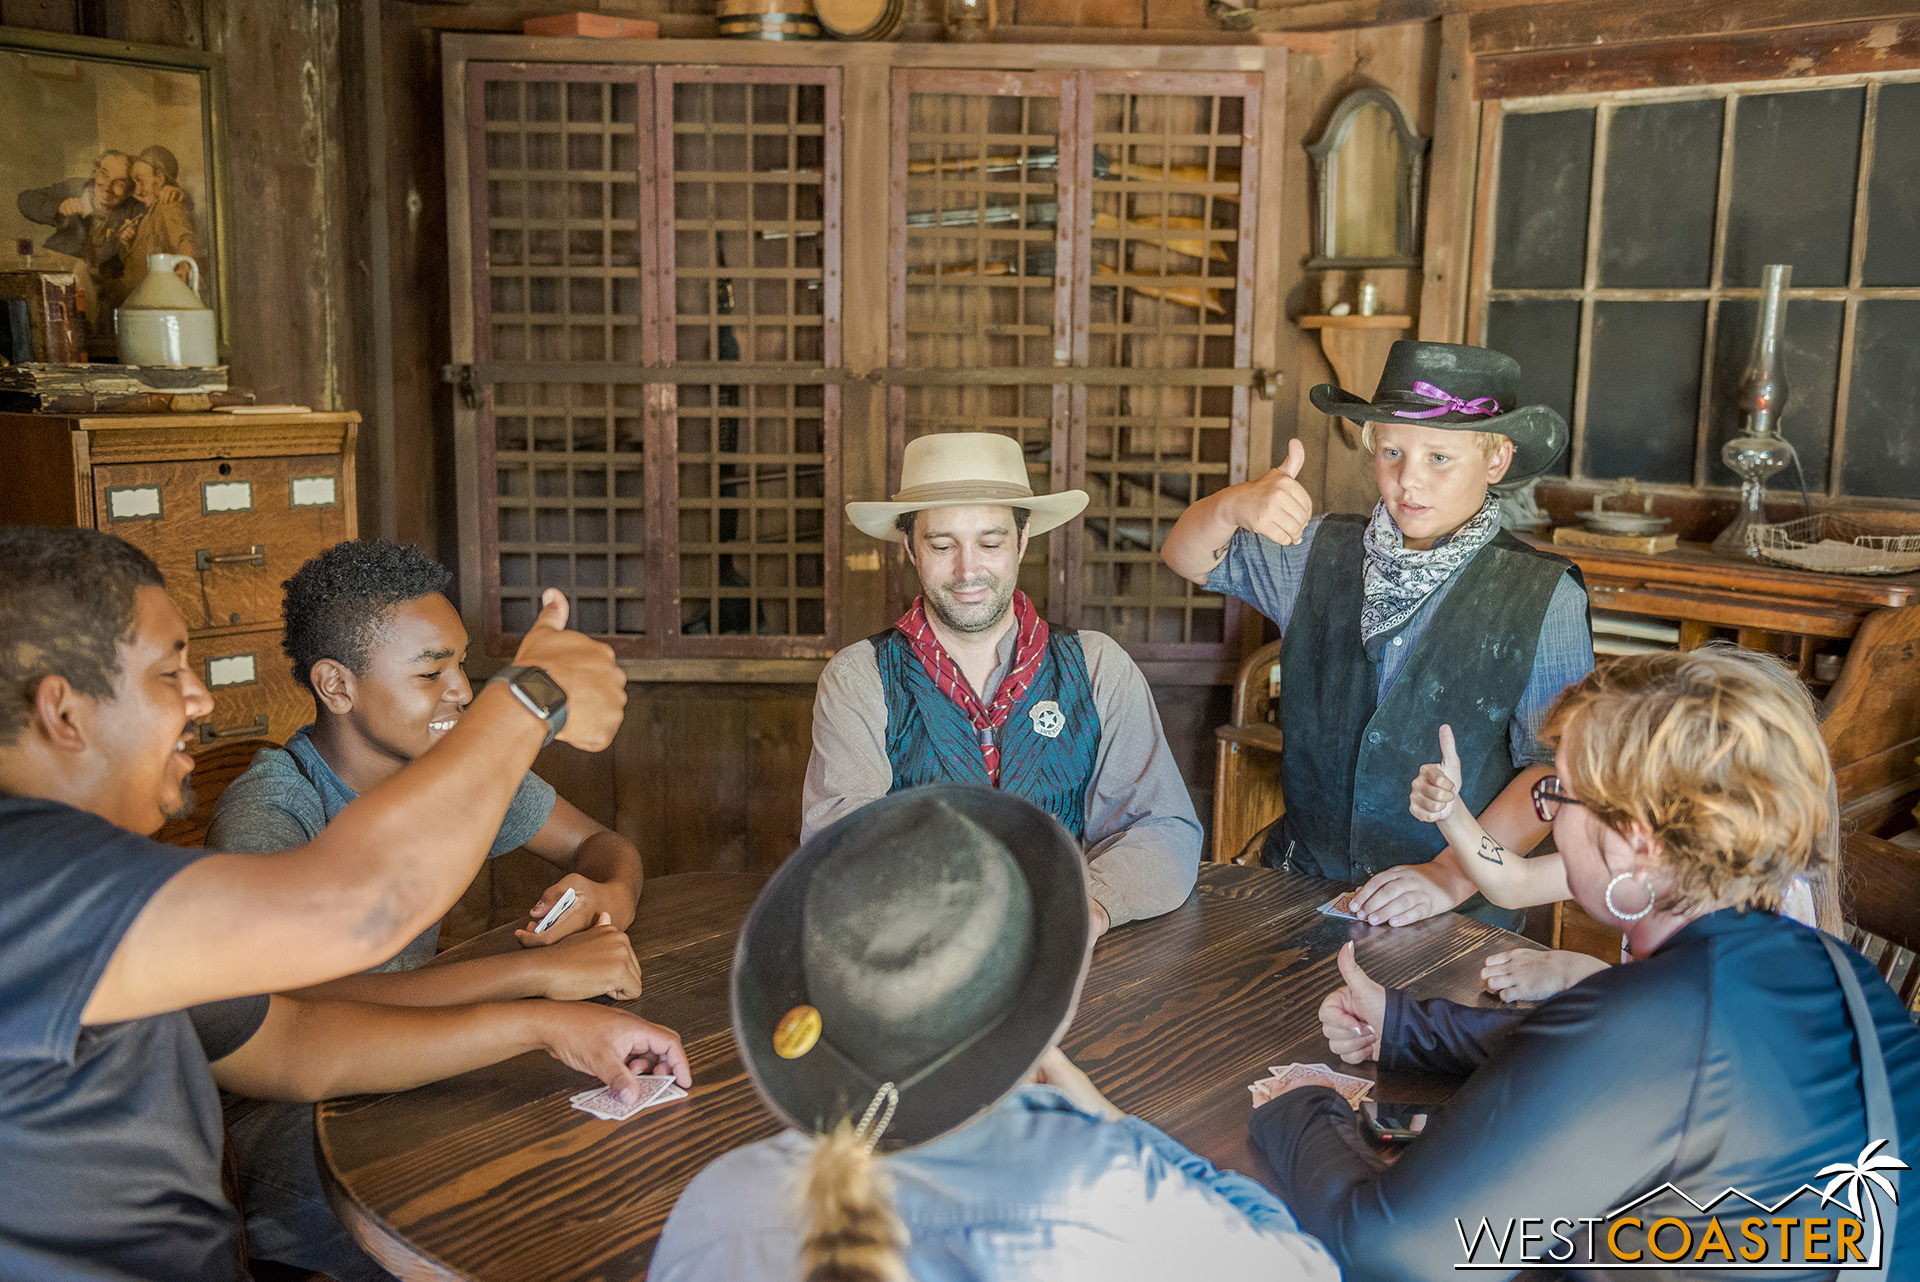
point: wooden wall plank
(1537, 27)
(288, 200)
(1791, 54)
(1451, 167)
(779, 741)
(42, 15)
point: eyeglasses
(1547, 798)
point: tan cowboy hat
(965, 469)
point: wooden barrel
(767, 19)
(861, 19)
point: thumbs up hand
(1436, 788)
(1352, 1016)
(586, 669)
(1276, 506)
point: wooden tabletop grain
(491, 1175)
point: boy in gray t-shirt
(371, 634)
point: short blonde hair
(1717, 752)
(1489, 442)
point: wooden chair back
(1872, 727)
(1880, 900)
(1246, 773)
(213, 770)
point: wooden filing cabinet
(228, 506)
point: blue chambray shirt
(1035, 1189)
(1268, 576)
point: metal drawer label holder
(134, 503)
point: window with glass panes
(1620, 260)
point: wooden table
(491, 1175)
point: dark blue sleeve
(1574, 1077)
(1442, 1037)
(70, 885)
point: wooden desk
(1854, 640)
(491, 1175)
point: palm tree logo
(1854, 1177)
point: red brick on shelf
(601, 25)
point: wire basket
(1832, 544)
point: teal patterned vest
(930, 740)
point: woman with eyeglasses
(1735, 1051)
(1510, 881)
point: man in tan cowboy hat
(973, 686)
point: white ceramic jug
(163, 322)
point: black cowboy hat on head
(932, 942)
(1459, 388)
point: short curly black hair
(67, 599)
(336, 602)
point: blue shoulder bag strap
(1881, 1120)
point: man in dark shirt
(129, 970)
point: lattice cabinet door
(982, 245)
(750, 272)
(657, 412)
(558, 158)
(1168, 234)
(1072, 265)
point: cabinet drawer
(254, 693)
(225, 533)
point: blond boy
(1423, 614)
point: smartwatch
(539, 693)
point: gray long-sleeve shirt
(1142, 836)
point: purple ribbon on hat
(1448, 401)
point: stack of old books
(51, 388)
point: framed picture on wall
(115, 152)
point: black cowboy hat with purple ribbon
(1462, 389)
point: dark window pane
(1540, 215)
(1543, 334)
(1813, 376)
(1643, 396)
(1893, 189)
(1663, 175)
(1883, 451)
(1796, 158)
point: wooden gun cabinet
(703, 291)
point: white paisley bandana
(1398, 578)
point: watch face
(542, 689)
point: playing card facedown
(1352, 1089)
(1341, 906)
(605, 1105)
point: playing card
(1352, 1089)
(1285, 1077)
(1339, 906)
(605, 1105)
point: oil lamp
(1760, 451)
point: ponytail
(852, 1233)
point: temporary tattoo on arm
(1491, 851)
(1220, 552)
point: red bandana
(1029, 647)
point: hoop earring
(1627, 876)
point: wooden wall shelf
(1356, 347)
(1354, 322)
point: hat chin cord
(869, 1131)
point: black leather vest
(1350, 756)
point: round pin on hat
(796, 1032)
